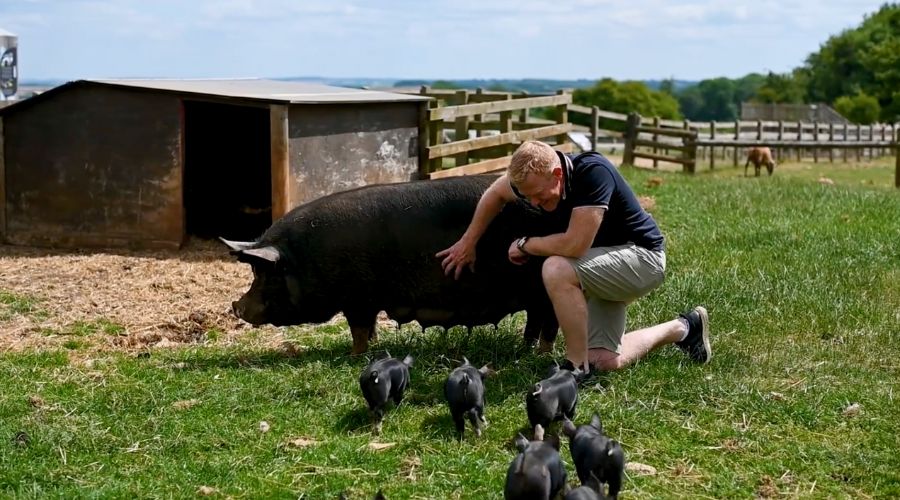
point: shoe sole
(704, 319)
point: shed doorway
(227, 170)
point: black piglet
(383, 380)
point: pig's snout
(249, 314)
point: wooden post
(799, 138)
(897, 166)
(631, 126)
(435, 135)
(831, 139)
(280, 160)
(712, 150)
(871, 139)
(595, 126)
(562, 116)
(881, 151)
(478, 118)
(655, 139)
(737, 137)
(461, 127)
(690, 154)
(506, 125)
(846, 138)
(815, 139)
(859, 139)
(778, 152)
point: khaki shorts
(613, 277)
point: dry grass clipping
(161, 297)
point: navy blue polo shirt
(591, 180)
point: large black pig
(373, 249)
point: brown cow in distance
(759, 157)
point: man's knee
(604, 360)
(557, 271)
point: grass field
(802, 281)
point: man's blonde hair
(531, 157)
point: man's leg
(690, 332)
(636, 344)
(570, 306)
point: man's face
(543, 190)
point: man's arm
(462, 253)
(583, 226)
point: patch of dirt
(129, 299)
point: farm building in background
(148, 163)
(810, 113)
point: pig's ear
(485, 371)
(611, 446)
(264, 254)
(465, 361)
(408, 360)
(521, 442)
(568, 428)
(236, 246)
(595, 422)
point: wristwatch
(520, 244)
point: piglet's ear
(268, 254)
(521, 442)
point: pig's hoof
(484, 422)
(478, 431)
(376, 429)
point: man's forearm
(487, 209)
(555, 244)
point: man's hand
(457, 257)
(517, 256)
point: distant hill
(530, 85)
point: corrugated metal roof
(3, 32)
(265, 90)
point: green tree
(626, 97)
(864, 59)
(860, 108)
(445, 85)
(780, 88)
(715, 99)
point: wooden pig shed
(148, 163)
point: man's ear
(557, 171)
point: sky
(421, 39)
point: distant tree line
(856, 71)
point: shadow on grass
(356, 421)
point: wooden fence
(656, 139)
(470, 132)
(499, 121)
